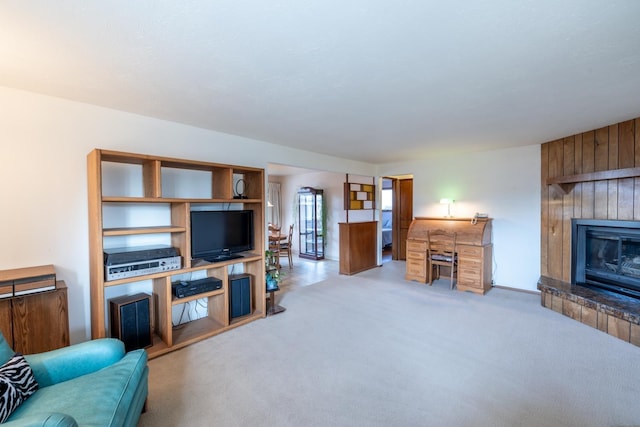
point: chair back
(274, 238)
(285, 246)
(290, 237)
(442, 245)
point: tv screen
(220, 235)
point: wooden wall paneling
(612, 199)
(614, 156)
(601, 163)
(612, 208)
(588, 164)
(636, 135)
(555, 238)
(600, 199)
(601, 149)
(626, 144)
(577, 190)
(625, 199)
(627, 153)
(568, 201)
(544, 209)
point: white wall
(503, 183)
(43, 185)
(43, 179)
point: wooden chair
(285, 246)
(441, 252)
(274, 242)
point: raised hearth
(615, 314)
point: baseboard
(509, 288)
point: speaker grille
(131, 320)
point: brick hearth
(614, 314)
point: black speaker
(239, 295)
(131, 320)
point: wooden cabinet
(36, 322)
(358, 243)
(473, 247)
(137, 198)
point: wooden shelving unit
(150, 174)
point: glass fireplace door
(606, 254)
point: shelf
(189, 332)
(125, 231)
(566, 183)
(113, 199)
(246, 258)
(178, 301)
(359, 196)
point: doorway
(396, 215)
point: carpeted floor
(375, 350)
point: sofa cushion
(16, 385)
(101, 398)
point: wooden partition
(594, 175)
(358, 246)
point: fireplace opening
(605, 254)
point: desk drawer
(465, 251)
(416, 267)
(470, 274)
(416, 255)
(416, 246)
(470, 263)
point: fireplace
(605, 254)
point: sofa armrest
(66, 363)
(52, 419)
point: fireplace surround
(604, 291)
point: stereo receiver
(122, 263)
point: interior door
(402, 216)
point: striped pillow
(16, 384)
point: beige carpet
(375, 350)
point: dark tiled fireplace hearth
(605, 278)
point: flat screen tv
(221, 235)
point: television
(221, 235)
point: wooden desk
(473, 246)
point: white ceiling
(372, 80)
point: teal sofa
(94, 383)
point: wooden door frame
(395, 214)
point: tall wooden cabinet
(473, 247)
(311, 223)
(123, 187)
